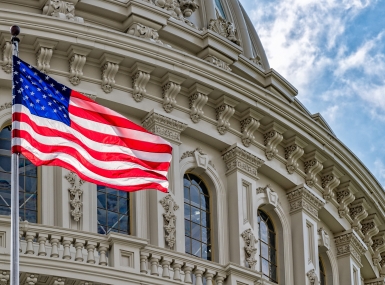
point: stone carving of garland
(250, 248)
(169, 216)
(75, 194)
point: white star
(32, 93)
(25, 97)
(50, 103)
(40, 81)
(31, 104)
(21, 89)
(30, 66)
(13, 96)
(64, 88)
(42, 107)
(35, 73)
(57, 91)
(65, 116)
(21, 80)
(33, 83)
(62, 98)
(37, 101)
(44, 96)
(38, 89)
(52, 85)
(47, 77)
(18, 62)
(29, 77)
(13, 86)
(24, 70)
(45, 88)
(26, 86)
(16, 73)
(54, 110)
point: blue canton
(41, 94)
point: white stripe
(108, 129)
(107, 165)
(85, 171)
(56, 125)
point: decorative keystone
(140, 76)
(169, 206)
(76, 194)
(171, 88)
(323, 239)
(303, 199)
(271, 139)
(144, 32)
(370, 228)
(225, 110)
(110, 66)
(7, 57)
(4, 277)
(293, 151)
(250, 248)
(237, 158)
(271, 195)
(62, 9)
(218, 62)
(249, 124)
(198, 96)
(329, 181)
(313, 166)
(163, 126)
(44, 50)
(200, 157)
(378, 247)
(344, 195)
(77, 57)
(224, 28)
(312, 276)
(348, 243)
(358, 212)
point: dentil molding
(110, 66)
(171, 85)
(348, 243)
(303, 199)
(250, 247)
(272, 138)
(140, 76)
(62, 9)
(293, 151)
(169, 216)
(249, 124)
(198, 96)
(76, 194)
(225, 110)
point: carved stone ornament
(271, 195)
(238, 159)
(7, 57)
(200, 157)
(144, 32)
(76, 194)
(257, 60)
(377, 281)
(4, 277)
(349, 243)
(77, 57)
(358, 212)
(293, 151)
(163, 126)
(224, 28)
(218, 62)
(31, 279)
(329, 181)
(313, 166)
(323, 239)
(370, 228)
(302, 199)
(179, 9)
(91, 96)
(192, 153)
(171, 88)
(272, 138)
(169, 206)
(225, 110)
(59, 281)
(7, 105)
(197, 100)
(110, 67)
(344, 197)
(312, 276)
(378, 248)
(61, 9)
(44, 50)
(140, 77)
(249, 124)
(250, 248)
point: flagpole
(15, 31)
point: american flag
(54, 125)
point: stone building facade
(261, 191)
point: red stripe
(58, 162)
(81, 96)
(44, 131)
(104, 118)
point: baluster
(102, 254)
(176, 266)
(91, 248)
(66, 245)
(187, 274)
(29, 236)
(143, 263)
(209, 277)
(154, 261)
(54, 243)
(79, 244)
(42, 239)
(198, 272)
(219, 279)
(166, 267)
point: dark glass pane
(31, 216)
(194, 196)
(205, 219)
(102, 202)
(101, 188)
(123, 205)
(186, 195)
(112, 220)
(272, 256)
(5, 163)
(264, 250)
(195, 231)
(6, 133)
(205, 235)
(30, 169)
(272, 239)
(102, 217)
(203, 203)
(208, 252)
(263, 215)
(196, 248)
(21, 166)
(5, 181)
(187, 243)
(21, 183)
(270, 225)
(21, 199)
(187, 228)
(5, 144)
(101, 230)
(195, 215)
(123, 223)
(5, 197)
(273, 273)
(265, 267)
(30, 184)
(112, 203)
(30, 201)
(186, 212)
(204, 251)
(123, 194)
(186, 181)
(112, 191)
(263, 232)
(5, 210)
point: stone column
(350, 247)
(170, 129)
(304, 207)
(242, 175)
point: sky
(333, 52)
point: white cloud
(331, 113)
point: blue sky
(333, 52)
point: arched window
(28, 189)
(322, 272)
(197, 217)
(267, 250)
(113, 211)
(219, 8)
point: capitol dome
(261, 191)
